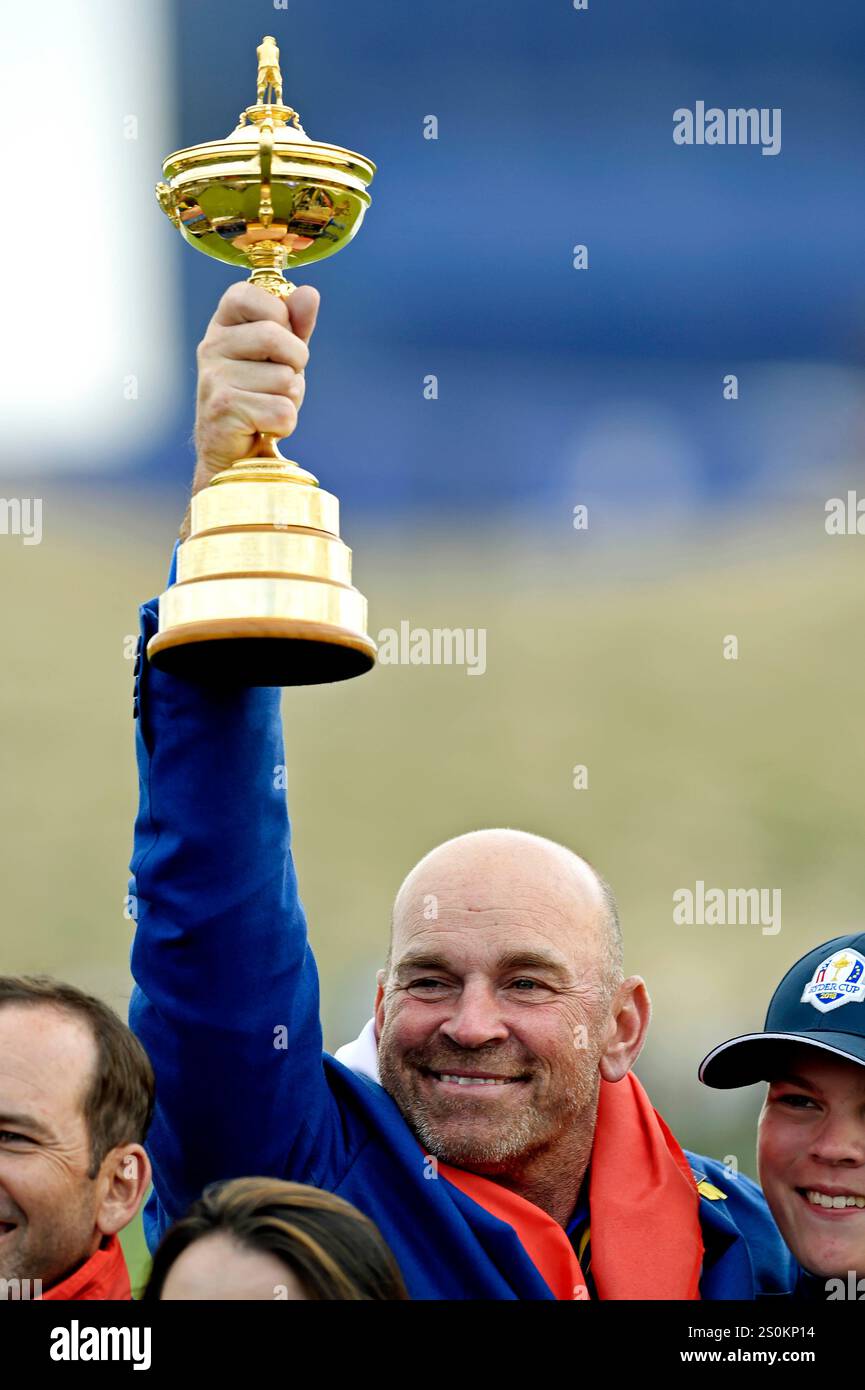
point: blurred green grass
(745, 773)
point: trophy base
(264, 651)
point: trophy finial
(269, 74)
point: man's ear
(630, 1015)
(378, 1007)
(125, 1178)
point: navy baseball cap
(820, 1002)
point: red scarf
(644, 1205)
(103, 1276)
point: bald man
(488, 1118)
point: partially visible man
(811, 1137)
(76, 1097)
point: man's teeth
(822, 1199)
(475, 1080)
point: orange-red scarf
(643, 1201)
(103, 1276)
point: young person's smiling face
(811, 1156)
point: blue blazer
(226, 1002)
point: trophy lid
(266, 174)
(268, 110)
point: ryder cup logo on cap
(801, 1013)
(839, 979)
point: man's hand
(250, 373)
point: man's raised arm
(226, 998)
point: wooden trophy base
(261, 651)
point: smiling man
(502, 1005)
(505, 1148)
(811, 1135)
(76, 1093)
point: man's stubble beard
(55, 1254)
(528, 1131)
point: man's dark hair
(118, 1102)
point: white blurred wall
(89, 347)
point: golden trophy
(263, 593)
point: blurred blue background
(555, 128)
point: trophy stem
(273, 281)
(268, 260)
(265, 464)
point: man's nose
(476, 1018)
(841, 1140)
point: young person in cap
(811, 1138)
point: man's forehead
(485, 939)
(506, 889)
(45, 1051)
(546, 906)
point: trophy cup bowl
(263, 594)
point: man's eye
(427, 984)
(9, 1134)
(524, 986)
(795, 1101)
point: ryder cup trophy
(263, 593)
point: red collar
(103, 1276)
(645, 1225)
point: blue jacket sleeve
(226, 995)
